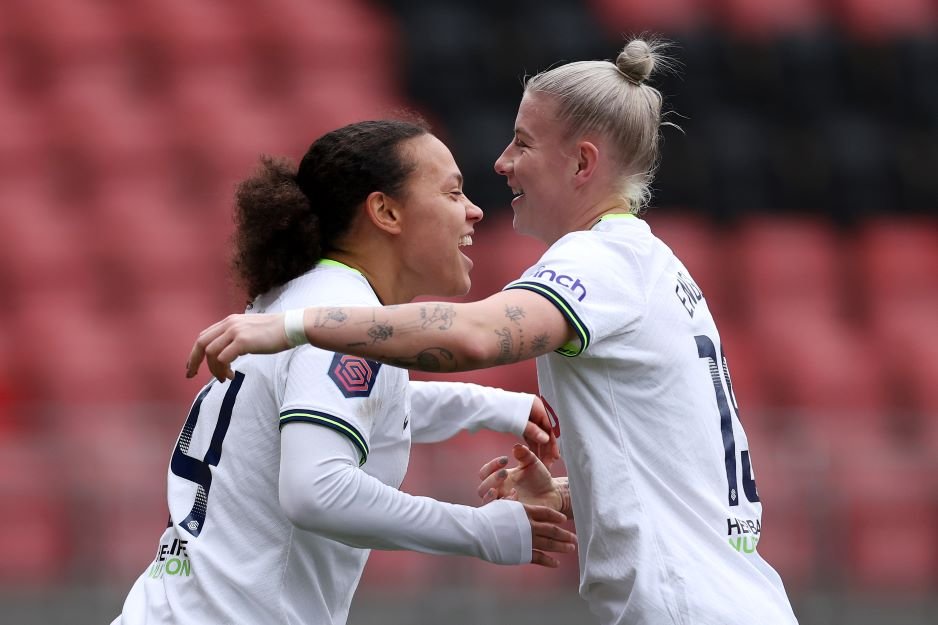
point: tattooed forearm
(380, 332)
(539, 344)
(330, 318)
(440, 315)
(434, 359)
(514, 313)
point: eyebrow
(457, 176)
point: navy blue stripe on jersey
(570, 350)
(330, 421)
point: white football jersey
(661, 480)
(230, 554)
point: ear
(587, 155)
(384, 212)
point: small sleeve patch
(354, 376)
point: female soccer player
(628, 355)
(286, 474)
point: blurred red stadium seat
(79, 32)
(188, 33)
(817, 365)
(789, 265)
(897, 285)
(35, 539)
(877, 20)
(885, 518)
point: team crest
(354, 376)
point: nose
(473, 213)
(503, 163)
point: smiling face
(539, 164)
(438, 221)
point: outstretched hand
(530, 482)
(234, 336)
(547, 535)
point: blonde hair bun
(636, 61)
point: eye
(520, 143)
(457, 193)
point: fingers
(546, 535)
(543, 514)
(534, 433)
(495, 481)
(542, 559)
(491, 466)
(523, 455)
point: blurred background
(802, 195)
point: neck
(379, 269)
(595, 211)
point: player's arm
(440, 410)
(509, 326)
(323, 490)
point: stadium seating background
(802, 195)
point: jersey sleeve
(599, 293)
(334, 391)
(322, 491)
(440, 410)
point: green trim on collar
(617, 216)
(328, 262)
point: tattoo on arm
(380, 332)
(434, 359)
(505, 347)
(540, 343)
(514, 313)
(441, 315)
(330, 318)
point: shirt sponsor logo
(744, 534)
(171, 559)
(354, 376)
(568, 282)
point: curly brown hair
(287, 218)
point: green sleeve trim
(330, 421)
(570, 349)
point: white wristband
(293, 326)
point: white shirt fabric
(666, 513)
(273, 524)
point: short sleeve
(598, 289)
(332, 390)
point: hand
(539, 434)
(547, 535)
(530, 482)
(235, 335)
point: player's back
(667, 511)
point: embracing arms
(505, 328)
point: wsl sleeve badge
(354, 376)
